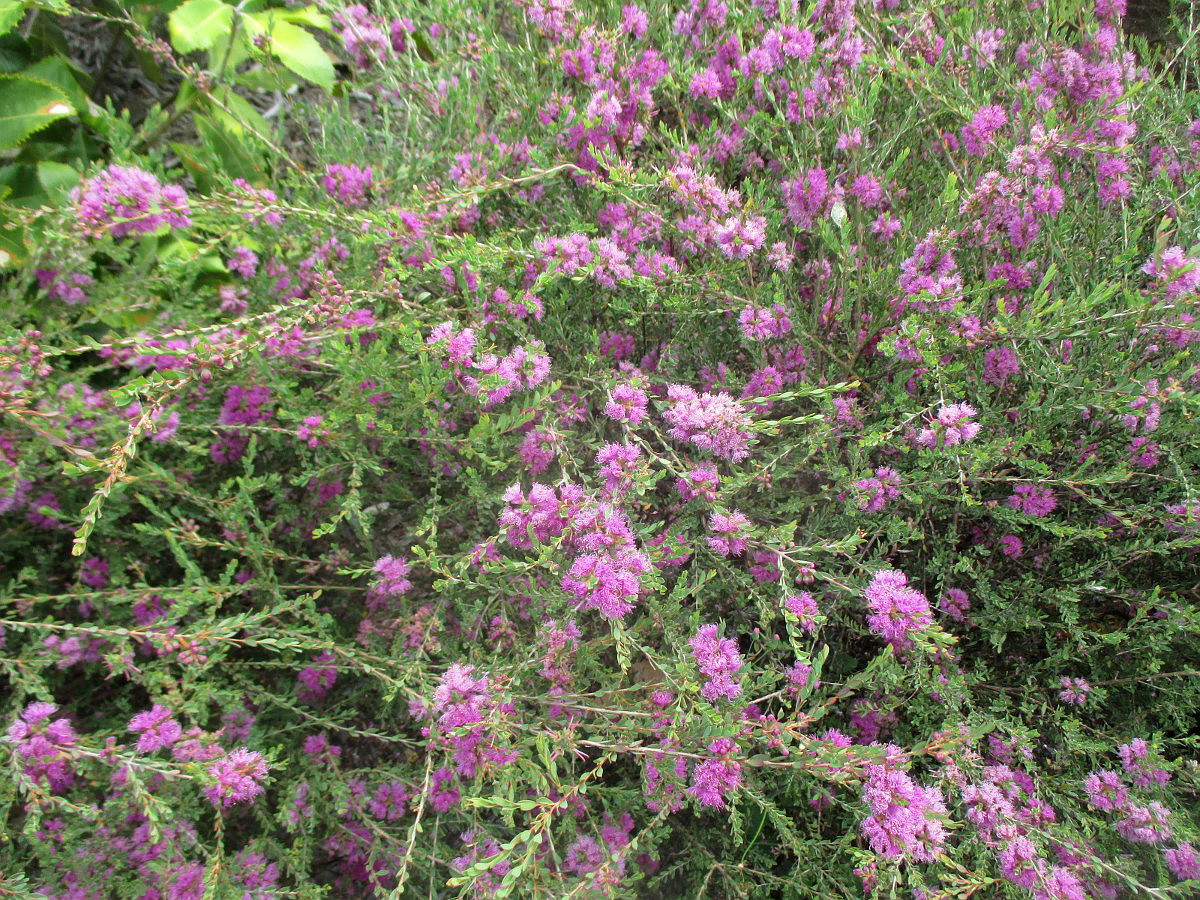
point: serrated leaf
(27, 105)
(60, 73)
(11, 12)
(295, 48)
(199, 24)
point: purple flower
(713, 780)
(1000, 364)
(728, 533)
(363, 35)
(1105, 790)
(125, 200)
(804, 608)
(44, 745)
(1011, 546)
(739, 238)
(798, 677)
(237, 777)
(807, 197)
(876, 492)
(904, 819)
(1132, 755)
(607, 581)
(929, 278)
(764, 323)
(626, 403)
(244, 262)
(1074, 691)
(618, 463)
(719, 661)
(1033, 500)
(94, 573)
(701, 481)
(313, 682)
(978, 136)
(956, 604)
(67, 287)
(391, 579)
(952, 426)
(1183, 862)
(348, 184)
(244, 406)
(1145, 824)
(897, 610)
(715, 423)
(156, 728)
(1176, 273)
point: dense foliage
(704, 449)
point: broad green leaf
(242, 119)
(12, 247)
(294, 47)
(199, 23)
(63, 75)
(306, 15)
(238, 158)
(56, 178)
(11, 12)
(27, 106)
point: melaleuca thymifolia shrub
(724, 450)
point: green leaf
(12, 246)
(237, 158)
(11, 12)
(28, 105)
(295, 48)
(306, 15)
(63, 75)
(57, 178)
(198, 24)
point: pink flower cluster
(124, 200)
(1033, 500)
(606, 574)
(765, 323)
(715, 778)
(626, 403)
(367, 38)
(468, 716)
(348, 184)
(897, 611)
(719, 661)
(715, 423)
(929, 278)
(805, 609)
(729, 531)
(1074, 691)
(953, 425)
(1176, 274)
(906, 819)
(238, 777)
(156, 729)
(619, 464)
(44, 745)
(877, 491)
(488, 376)
(1003, 808)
